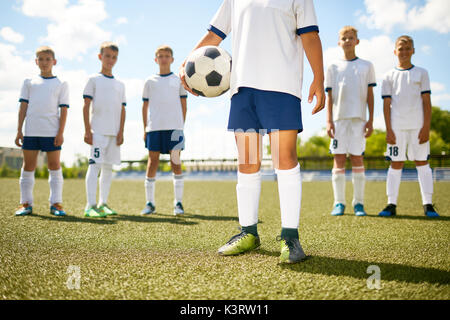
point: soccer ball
(208, 71)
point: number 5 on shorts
(97, 153)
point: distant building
(13, 158)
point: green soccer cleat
(94, 212)
(291, 250)
(240, 243)
(107, 210)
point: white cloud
(121, 20)
(74, 28)
(439, 96)
(426, 49)
(387, 14)
(10, 35)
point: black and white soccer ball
(208, 71)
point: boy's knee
(397, 165)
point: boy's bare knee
(397, 165)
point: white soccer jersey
(406, 87)
(267, 49)
(349, 82)
(163, 92)
(108, 99)
(44, 97)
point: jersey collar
(47, 78)
(165, 75)
(109, 77)
(397, 68)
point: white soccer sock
(178, 187)
(394, 178)
(26, 182)
(150, 190)
(105, 183)
(56, 182)
(248, 190)
(91, 184)
(290, 193)
(426, 183)
(338, 182)
(359, 181)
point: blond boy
(104, 126)
(349, 84)
(44, 101)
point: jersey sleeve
(183, 92)
(372, 79)
(329, 79)
(124, 95)
(146, 92)
(306, 16)
(25, 92)
(63, 100)
(386, 88)
(89, 90)
(221, 23)
(425, 83)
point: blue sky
(76, 28)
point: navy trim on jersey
(47, 78)
(353, 59)
(328, 89)
(183, 97)
(372, 84)
(87, 97)
(404, 69)
(165, 75)
(124, 104)
(64, 106)
(217, 31)
(24, 100)
(109, 77)
(301, 31)
(427, 91)
(384, 97)
(145, 99)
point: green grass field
(167, 257)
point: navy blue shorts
(165, 141)
(260, 110)
(45, 144)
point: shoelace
(239, 236)
(288, 242)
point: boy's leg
(338, 179)
(425, 176)
(358, 179)
(105, 183)
(55, 180)
(178, 182)
(394, 179)
(91, 184)
(152, 168)
(27, 176)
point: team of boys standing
(264, 99)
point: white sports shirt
(267, 49)
(163, 92)
(406, 87)
(108, 99)
(44, 97)
(348, 81)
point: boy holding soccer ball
(104, 127)
(164, 114)
(44, 101)
(407, 113)
(269, 39)
(349, 84)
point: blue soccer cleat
(429, 211)
(57, 210)
(24, 210)
(178, 209)
(389, 211)
(359, 210)
(149, 209)
(338, 210)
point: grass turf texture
(167, 257)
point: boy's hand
(182, 76)
(19, 139)
(368, 129)
(59, 140)
(330, 129)
(119, 138)
(88, 137)
(390, 137)
(145, 136)
(424, 135)
(317, 90)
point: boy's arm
(209, 39)
(144, 116)
(87, 123)
(59, 139)
(313, 49)
(330, 123)
(122, 126)
(424, 134)
(184, 108)
(21, 118)
(390, 136)
(370, 103)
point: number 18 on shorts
(407, 147)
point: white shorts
(348, 137)
(407, 147)
(104, 149)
